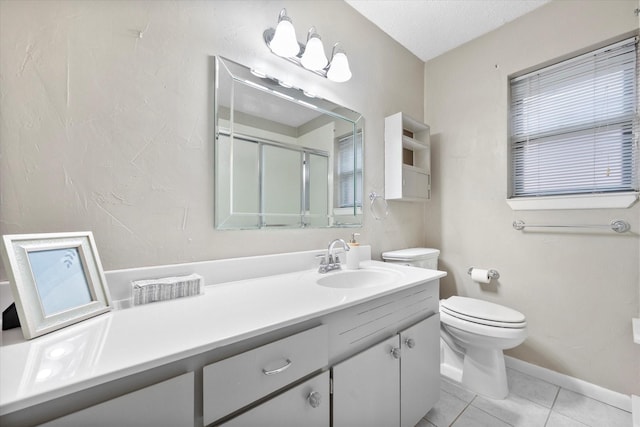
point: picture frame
(56, 280)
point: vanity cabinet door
(304, 405)
(420, 370)
(366, 387)
(169, 403)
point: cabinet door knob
(395, 352)
(410, 342)
(314, 399)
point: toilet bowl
(474, 334)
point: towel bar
(617, 225)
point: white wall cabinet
(407, 164)
(393, 383)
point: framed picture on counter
(56, 280)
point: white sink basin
(364, 278)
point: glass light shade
(314, 57)
(284, 42)
(339, 70)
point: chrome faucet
(330, 261)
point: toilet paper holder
(493, 274)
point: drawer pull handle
(277, 371)
(410, 342)
(395, 352)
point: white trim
(347, 211)
(616, 45)
(593, 391)
(580, 201)
(635, 413)
(635, 323)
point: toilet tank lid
(411, 254)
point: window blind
(350, 173)
(574, 125)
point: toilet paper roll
(480, 275)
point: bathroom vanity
(270, 342)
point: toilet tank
(414, 257)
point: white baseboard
(451, 372)
(593, 391)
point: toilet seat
(483, 312)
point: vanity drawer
(233, 383)
(294, 407)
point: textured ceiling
(429, 28)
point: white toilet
(473, 333)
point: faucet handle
(323, 267)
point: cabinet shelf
(415, 169)
(413, 144)
(407, 166)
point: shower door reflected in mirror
(283, 159)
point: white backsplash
(214, 272)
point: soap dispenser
(353, 254)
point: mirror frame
(274, 89)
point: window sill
(590, 201)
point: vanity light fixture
(339, 70)
(285, 84)
(313, 57)
(283, 42)
(258, 74)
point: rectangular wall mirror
(283, 158)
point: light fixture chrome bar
(336, 69)
(617, 225)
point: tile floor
(531, 403)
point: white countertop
(128, 341)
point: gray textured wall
(105, 131)
(579, 289)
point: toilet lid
(483, 312)
(411, 254)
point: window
(349, 173)
(574, 126)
